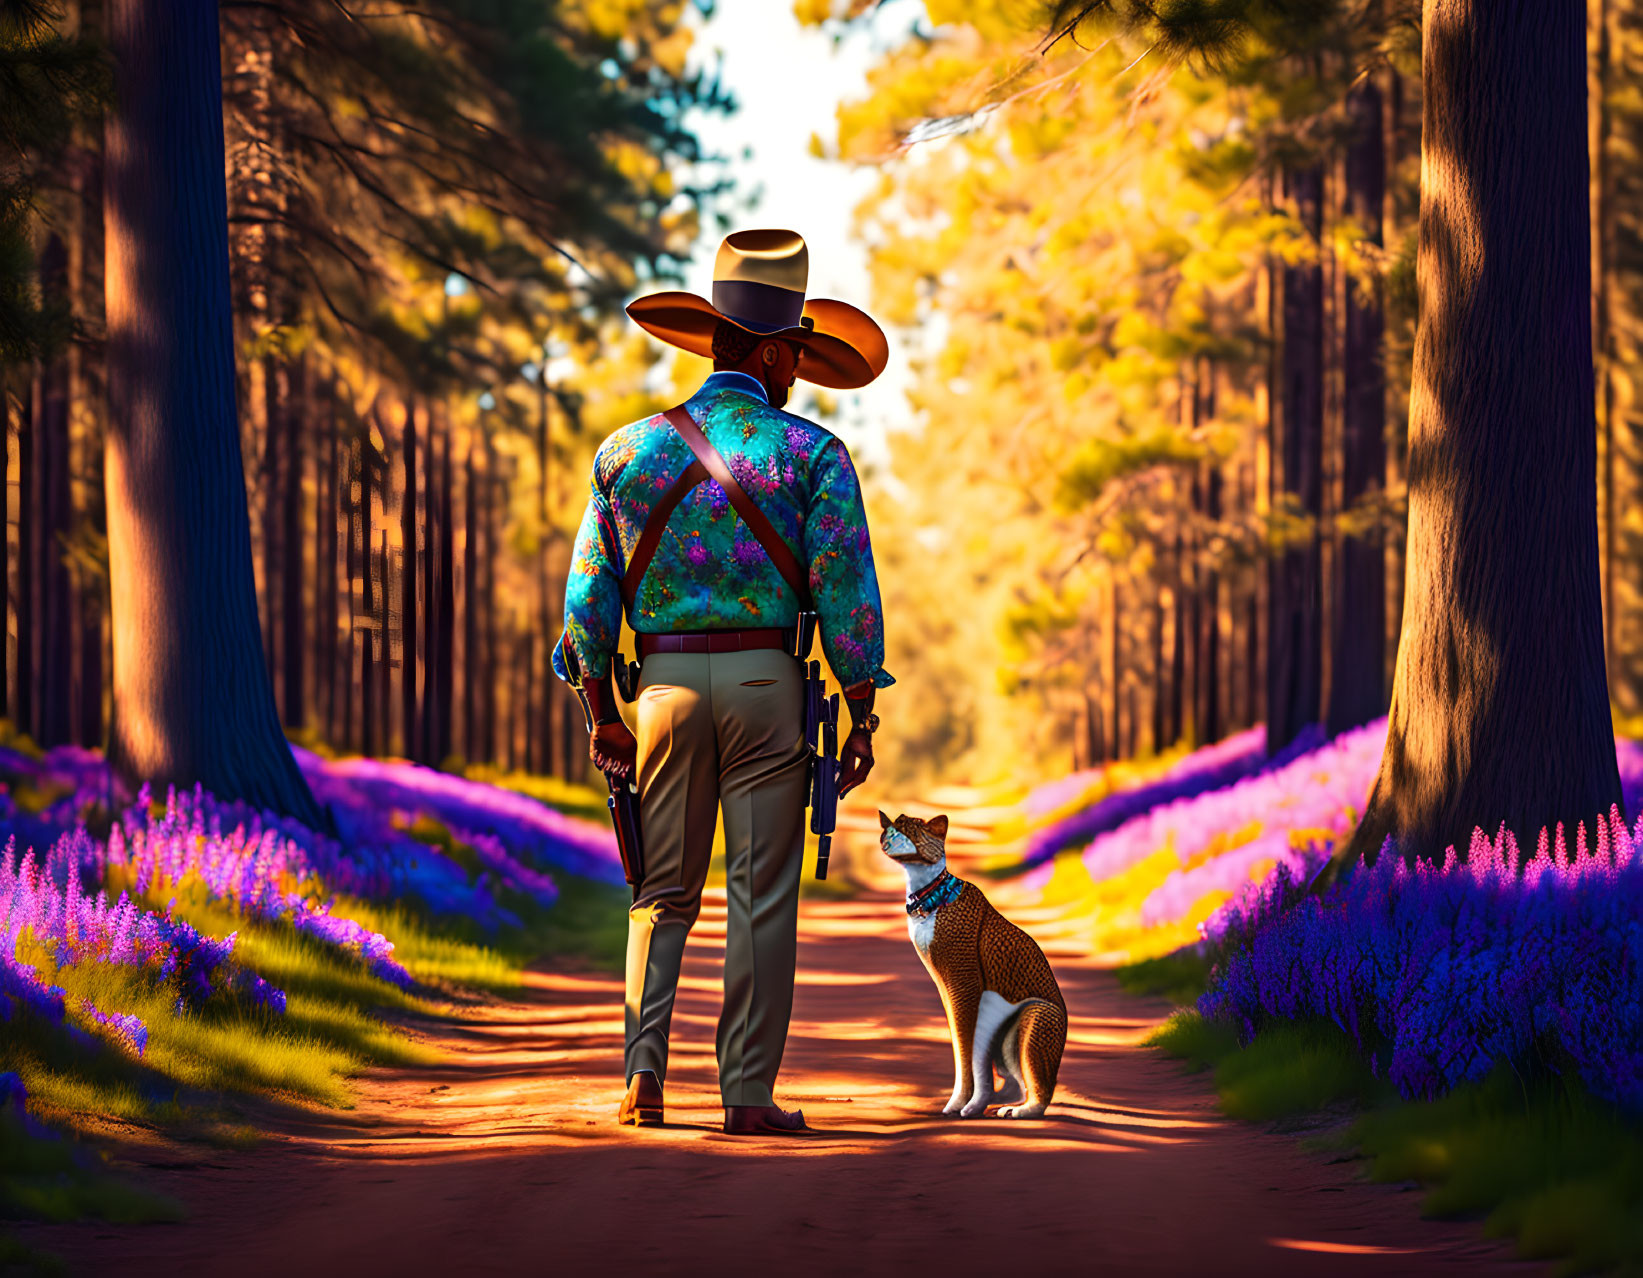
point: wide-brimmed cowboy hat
(759, 280)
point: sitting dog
(1003, 1005)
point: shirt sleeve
(843, 581)
(593, 594)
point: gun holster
(625, 674)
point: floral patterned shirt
(709, 572)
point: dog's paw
(975, 1109)
(1022, 1111)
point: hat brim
(844, 350)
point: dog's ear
(884, 822)
(937, 826)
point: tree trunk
(1295, 636)
(385, 633)
(326, 516)
(1207, 654)
(296, 419)
(1602, 344)
(1500, 710)
(407, 588)
(1117, 737)
(352, 486)
(53, 611)
(192, 701)
(428, 730)
(1178, 649)
(367, 557)
(471, 717)
(445, 673)
(1159, 705)
(487, 602)
(1358, 635)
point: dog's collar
(943, 891)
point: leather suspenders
(709, 463)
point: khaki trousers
(719, 732)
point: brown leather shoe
(642, 1106)
(763, 1120)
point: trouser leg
(762, 776)
(678, 797)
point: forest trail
(505, 1156)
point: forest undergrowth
(1472, 1027)
(174, 967)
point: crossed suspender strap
(709, 463)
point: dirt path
(506, 1158)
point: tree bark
(298, 409)
(428, 730)
(367, 560)
(1358, 635)
(407, 589)
(1295, 635)
(54, 607)
(191, 696)
(6, 702)
(471, 717)
(1178, 648)
(487, 602)
(326, 516)
(1207, 654)
(444, 674)
(1117, 667)
(1500, 710)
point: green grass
(47, 1178)
(1544, 1164)
(15, 1258)
(568, 796)
(339, 1020)
(1553, 1168)
(1180, 977)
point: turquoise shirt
(710, 573)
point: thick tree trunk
(192, 701)
(1358, 635)
(1500, 710)
(1295, 635)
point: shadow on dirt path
(505, 1158)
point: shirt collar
(729, 380)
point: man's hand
(855, 760)
(613, 749)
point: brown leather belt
(717, 641)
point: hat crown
(779, 259)
(759, 279)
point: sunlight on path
(504, 1157)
